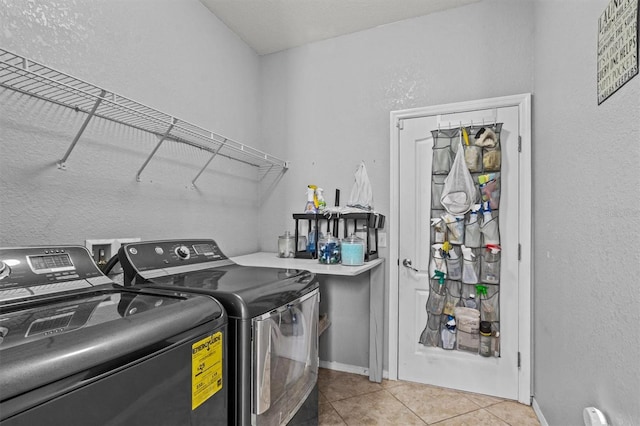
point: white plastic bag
(361, 193)
(459, 193)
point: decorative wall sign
(617, 46)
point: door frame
(525, 270)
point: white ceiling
(272, 25)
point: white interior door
(507, 375)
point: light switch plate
(382, 239)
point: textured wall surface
(325, 107)
(172, 55)
(587, 223)
(327, 104)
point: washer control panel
(33, 271)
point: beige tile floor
(351, 399)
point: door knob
(408, 264)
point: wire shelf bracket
(62, 163)
(193, 182)
(162, 138)
(26, 76)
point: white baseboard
(348, 368)
(536, 409)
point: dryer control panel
(26, 272)
(152, 259)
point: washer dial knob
(183, 252)
(5, 270)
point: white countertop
(271, 260)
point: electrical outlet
(104, 249)
(101, 250)
(382, 239)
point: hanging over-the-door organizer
(463, 309)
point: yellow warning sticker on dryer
(206, 369)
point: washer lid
(200, 266)
(244, 291)
(45, 342)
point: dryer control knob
(182, 252)
(5, 270)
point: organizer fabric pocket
(456, 229)
(491, 160)
(437, 186)
(436, 264)
(490, 267)
(447, 337)
(472, 235)
(438, 231)
(442, 159)
(471, 271)
(490, 232)
(453, 298)
(473, 158)
(468, 329)
(490, 191)
(469, 296)
(468, 342)
(490, 304)
(454, 267)
(430, 336)
(437, 296)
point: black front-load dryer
(273, 323)
(76, 349)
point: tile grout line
(339, 415)
(405, 406)
(354, 396)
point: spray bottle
(491, 264)
(322, 204)
(437, 261)
(473, 217)
(489, 226)
(467, 253)
(449, 333)
(486, 212)
(471, 302)
(311, 207)
(311, 241)
(470, 267)
(454, 264)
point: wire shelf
(32, 78)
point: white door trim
(525, 270)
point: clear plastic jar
(286, 245)
(353, 251)
(329, 250)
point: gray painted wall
(328, 105)
(587, 222)
(172, 55)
